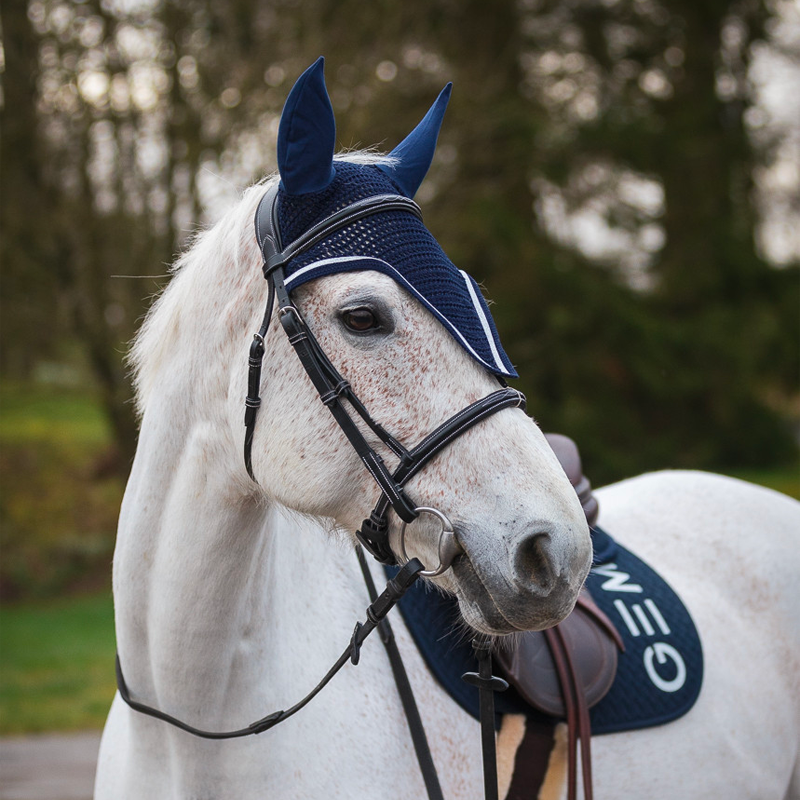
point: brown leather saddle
(566, 670)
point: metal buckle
(449, 546)
(290, 309)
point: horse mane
(213, 280)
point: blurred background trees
(621, 174)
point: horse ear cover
(307, 135)
(415, 153)
(398, 245)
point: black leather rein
(378, 609)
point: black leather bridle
(333, 389)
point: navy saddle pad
(658, 677)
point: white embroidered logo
(645, 619)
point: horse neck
(205, 571)
(187, 533)
(201, 573)
(183, 551)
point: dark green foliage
(697, 367)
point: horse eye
(360, 320)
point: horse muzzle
(530, 582)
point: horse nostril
(532, 563)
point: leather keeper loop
(373, 536)
(404, 508)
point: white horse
(230, 604)
(232, 598)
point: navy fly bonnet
(396, 243)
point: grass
(56, 664)
(58, 515)
(58, 506)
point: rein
(375, 614)
(333, 389)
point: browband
(268, 230)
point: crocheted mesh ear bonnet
(395, 243)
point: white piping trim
(325, 261)
(401, 280)
(484, 322)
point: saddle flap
(592, 642)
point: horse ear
(415, 153)
(307, 134)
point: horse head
(414, 339)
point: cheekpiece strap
(329, 383)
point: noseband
(333, 388)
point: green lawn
(56, 664)
(58, 520)
(58, 501)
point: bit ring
(449, 546)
